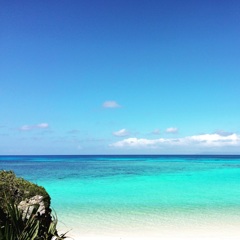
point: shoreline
(229, 229)
(190, 234)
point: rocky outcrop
(30, 199)
(35, 203)
(15, 190)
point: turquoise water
(90, 189)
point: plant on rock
(25, 212)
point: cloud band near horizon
(203, 140)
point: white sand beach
(188, 234)
(221, 230)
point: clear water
(113, 191)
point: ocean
(155, 195)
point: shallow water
(107, 192)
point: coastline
(199, 228)
(208, 233)
(98, 198)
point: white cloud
(31, 127)
(111, 104)
(204, 140)
(172, 130)
(121, 133)
(215, 139)
(137, 142)
(42, 125)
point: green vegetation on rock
(16, 189)
(25, 212)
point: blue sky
(119, 77)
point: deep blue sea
(141, 191)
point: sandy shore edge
(185, 234)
